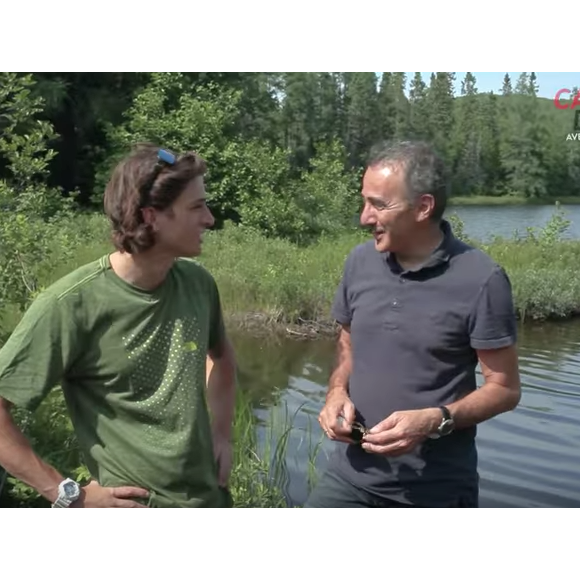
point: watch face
(70, 489)
(446, 427)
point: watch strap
(61, 502)
(445, 412)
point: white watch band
(61, 502)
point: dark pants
(332, 491)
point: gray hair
(424, 170)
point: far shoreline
(490, 200)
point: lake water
(481, 222)
(527, 458)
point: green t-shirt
(132, 366)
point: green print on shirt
(164, 378)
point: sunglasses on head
(164, 159)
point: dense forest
(284, 149)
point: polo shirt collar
(440, 255)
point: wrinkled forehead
(386, 181)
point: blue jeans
(333, 491)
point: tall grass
(276, 282)
(289, 284)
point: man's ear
(150, 217)
(425, 207)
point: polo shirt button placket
(395, 311)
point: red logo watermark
(563, 105)
(560, 105)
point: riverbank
(271, 285)
(484, 200)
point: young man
(419, 309)
(126, 337)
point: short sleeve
(217, 326)
(493, 322)
(38, 353)
(341, 310)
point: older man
(418, 309)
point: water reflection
(528, 458)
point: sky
(549, 82)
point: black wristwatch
(446, 426)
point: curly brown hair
(140, 181)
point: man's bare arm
(19, 459)
(501, 391)
(221, 387)
(338, 382)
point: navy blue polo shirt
(414, 335)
